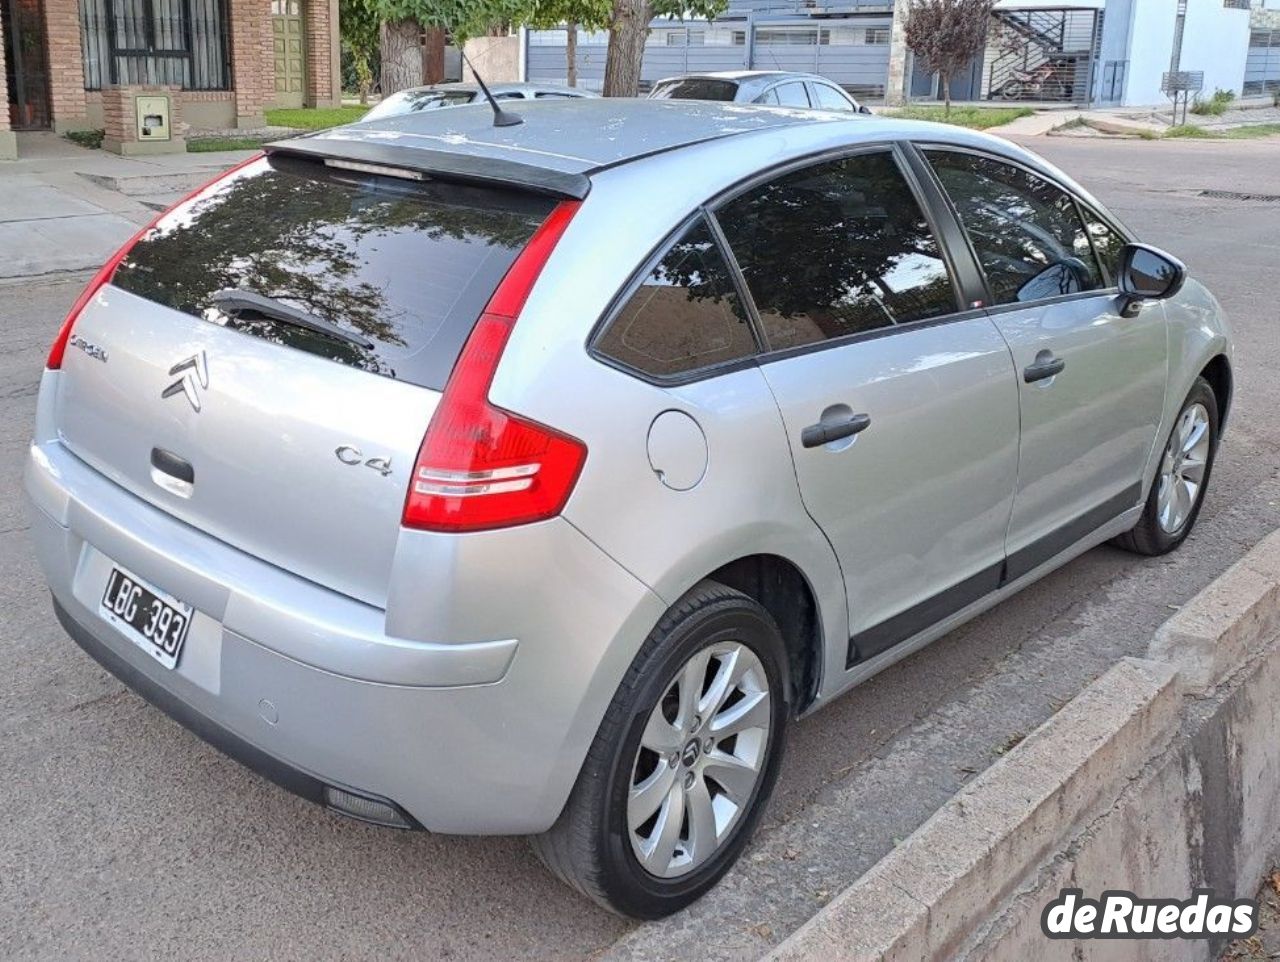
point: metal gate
(1042, 54)
(1262, 68)
(852, 51)
(26, 64)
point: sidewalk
(65, 208)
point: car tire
(597, 845)
(1187, 456)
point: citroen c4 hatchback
(534, 479)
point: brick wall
(66, 68)
(251, 60)
(323, 79)
(4, 88)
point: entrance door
(288, 46)
(26, 64)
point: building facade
(1098, 52)
(229, 60)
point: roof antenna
(501, 118)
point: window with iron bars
(172, 42)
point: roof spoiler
(437, 164)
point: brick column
(324, 71)
(8, 142)
(251, 60)
(120, 121)
(66, 66)
(895, 88)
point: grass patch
(1234, 133)
(206, 145)
(978, 118)
(315, 118)
(1216, 105)
(90, 139)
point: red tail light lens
(108, 270)
(481, 467)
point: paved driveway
(125, 837)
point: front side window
(1106, 242)
(182, 43)
(831, 99)
(836, 249)
(685, 315)
(1026, 232)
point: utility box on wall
(142, 120)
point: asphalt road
(122, 836)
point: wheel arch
(1218, 373)
(781, 587)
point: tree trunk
(946, 95)
(571, 52)
(626, 47)
(433, 55)
(401, 55)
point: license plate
(154, 621)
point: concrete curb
(953, 878)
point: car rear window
(696, 88)
(405, 267)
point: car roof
(562, 142)
(749, 76)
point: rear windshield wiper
(232, 300)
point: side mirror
(1147, 273)
(864, 109)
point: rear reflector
(108, 270)
(365, 809)
(481, 467)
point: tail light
(108, 270)
(481, 467)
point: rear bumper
(483, 735)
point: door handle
(824, 432)
(1046, 365)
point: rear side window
(836, 249)
(405, 267)
(684, 316)
(792, 95)
(1026, 232)
(696, 88)
(831, 99)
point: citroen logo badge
(195, 376)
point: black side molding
(906, 624)
(442, 164)
(289, 778)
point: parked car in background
(524, 480)
(416, 99)
(777, 88)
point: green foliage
(359, 22)
(92, 139)
(1251, 132)
(314, 118)
(689, 9)
(208, 145)
(979, 118)
(462, 18)
(587, 14)
(1216, 105)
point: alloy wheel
(701, 756)
(1182, 468)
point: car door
(1091, 382)
(901, 411)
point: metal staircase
(1041, 54)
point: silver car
(436, 96)
(776, 88)
(526, 480)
